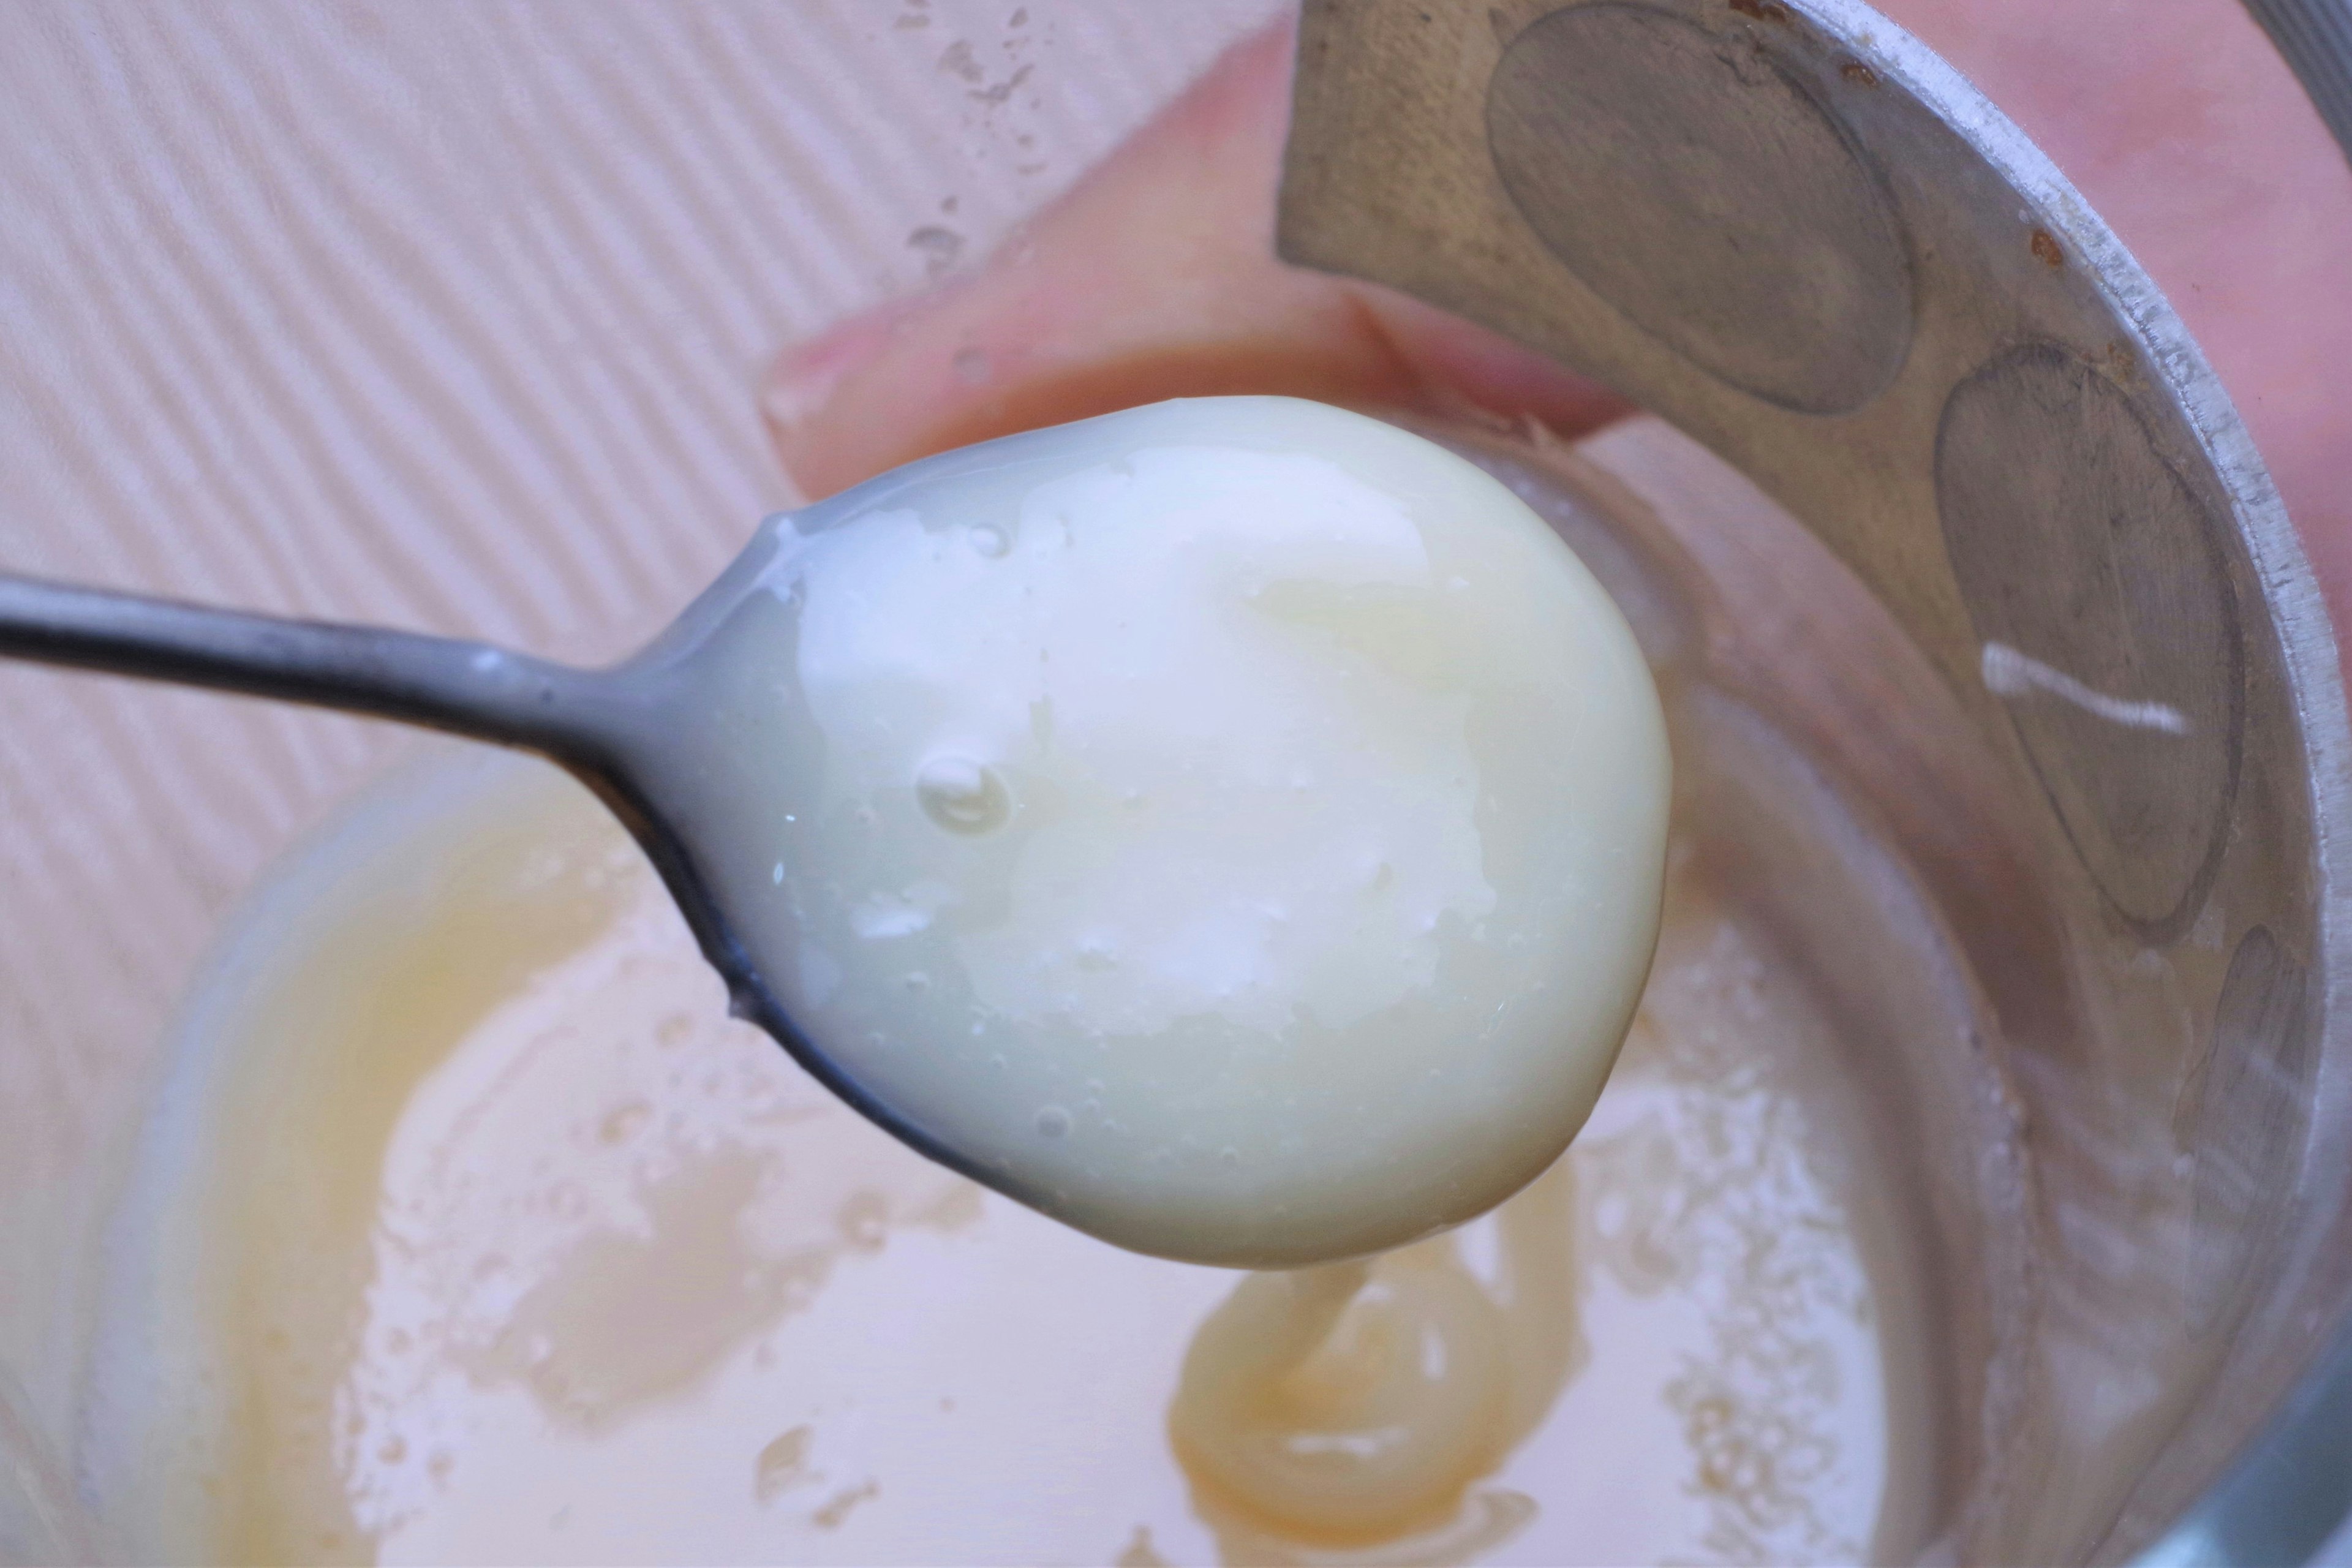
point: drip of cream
(1356, 1401)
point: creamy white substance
(1234, 826)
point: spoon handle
(466, 688)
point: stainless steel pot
(2090, 700)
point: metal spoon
(617, 731)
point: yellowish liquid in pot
(474, 1230)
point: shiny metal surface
(1791, 230)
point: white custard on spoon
(1234, 826)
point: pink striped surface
(446, 315)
